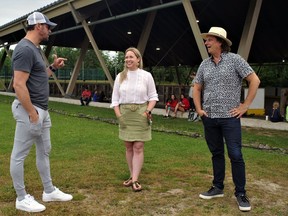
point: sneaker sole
(56, 200)
(210, 197)
(244, 209)
(48, 199)
(29, 210)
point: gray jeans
(26, 134)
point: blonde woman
(133, 99)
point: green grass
(88, 160)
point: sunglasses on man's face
(48, 27)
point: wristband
(148, 112)
(52, 68)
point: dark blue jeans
(228, 130)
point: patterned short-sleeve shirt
(222, 83)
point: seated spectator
(275, 115)
(192, 106)
(101, 97)
(170, 105)
(85, 97)
(95, 96)
(286, 112)
(182, 106)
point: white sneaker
(56, 195)
(29, 204)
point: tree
(115, 62)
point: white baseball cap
(38, 17)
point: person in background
(219, 79)
(183, 105)
(191, 102)
(85, 97)
(101, 97)
(286, 117)
(275, 115)
(170, 105)
(30, 110)
(192, 115)
(95, 96)
(133, 99)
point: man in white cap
(30, 110)
(219, 81)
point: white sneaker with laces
(29, 204)
(56, 195)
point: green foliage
(271, 75)
(115, 62)
(70, 54)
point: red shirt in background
(173, 103)
(86, 93)
(186, 103)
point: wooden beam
(249, 28)
(195, 28)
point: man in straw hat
(30, 110)
(219, 81)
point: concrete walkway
(245, 121)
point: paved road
(245, 121)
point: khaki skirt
(133, 123)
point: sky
(13, 9)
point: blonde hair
(276, 105)
(123, 74)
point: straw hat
(217, 32)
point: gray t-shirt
(222, 83)
(27, 57)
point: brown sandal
(136, 186)
(128, 182)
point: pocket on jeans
(35, 128)
(203, 117)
